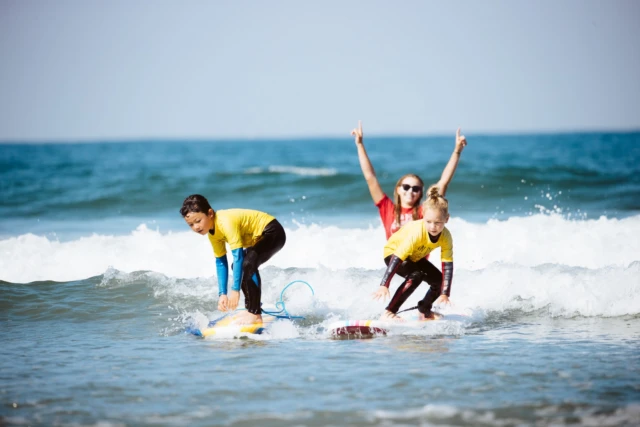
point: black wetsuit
(415, 273)
(272, 240)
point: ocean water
(100, 277)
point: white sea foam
(523, 241)
(433, 414)
(586, 267)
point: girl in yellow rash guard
(405, 254)
(253, 237)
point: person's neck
(435, 238)
(212, 230)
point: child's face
(435, 220)
(200, 222)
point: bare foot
(392, 317)
(430, 316)
(247, 318)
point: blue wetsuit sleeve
(222, 269)
(238, 258)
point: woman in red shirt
(407, 194)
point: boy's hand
(358, 133)
(461, 141)
(382, 292)
(223, 303)
(234, 297)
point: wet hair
(436, 201)
(397, 206)
(195, 203)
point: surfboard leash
(281, 305)
(407, 309)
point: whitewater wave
(521, 241)
(502, 292)
(567, 268)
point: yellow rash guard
(412, 242)
(240, 228)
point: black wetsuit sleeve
(447, 278)
(394, 263)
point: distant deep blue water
(99, 277)
(120, 184)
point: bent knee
(416, 277)
(250, 261)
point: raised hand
(461, 141)
(357, 132)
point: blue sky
(78, 70)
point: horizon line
(148, 139)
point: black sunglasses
(415, 188)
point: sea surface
(100, 277)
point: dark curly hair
(195, 203)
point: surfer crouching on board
(405, 254)
(253, 237)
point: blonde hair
(397, 206)
(435, 201)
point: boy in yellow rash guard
(405, 254)
(253, 237)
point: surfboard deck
(358, 328)
(225, 327)
(353, 329)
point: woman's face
(410, 191)
(200, 222)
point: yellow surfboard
(225, 327)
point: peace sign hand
(358, 133)
(461, 141)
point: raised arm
(367, 168)
(450, 168)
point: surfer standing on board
(405, 254)
(253, 237)
(408, 192)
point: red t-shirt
(388, 217)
